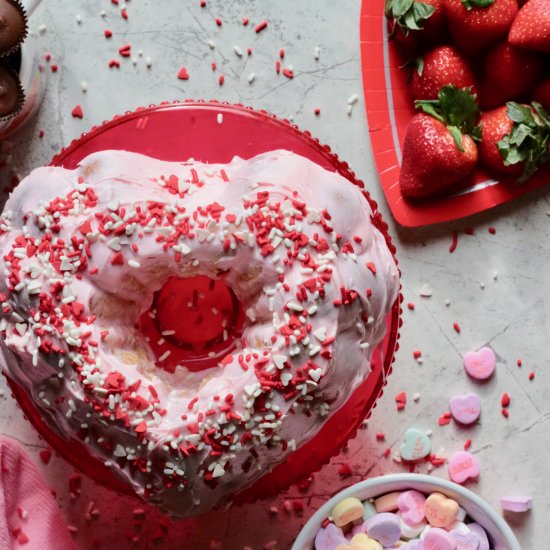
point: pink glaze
(86, 250)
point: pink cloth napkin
(29, 516)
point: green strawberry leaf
(430, 107)
(408, 14)
(457, 136)
(457, 109)
(470, 4)
(419, 63)
(529, 140)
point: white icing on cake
(57, 253)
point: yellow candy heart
(363, 542)
(346, 511)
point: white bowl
(502, 536)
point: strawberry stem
(408, 14)
(457, 109)
(529, 140)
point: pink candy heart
(463, 466)
(465, 541)
(411, 505)
(465, 408)
(480, 364)
(439, 539)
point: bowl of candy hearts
(406, 512)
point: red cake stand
(216, 132)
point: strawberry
(494, 126)
(439, 67)
(508, 73)
(542, 94)
(438, 150)
(528, 143)
(474, 24)
(410, 16)
(531, 27)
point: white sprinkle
(78, 19)
(426, 291)
(251, 77)
(134, 263)
(447, 302)
(112, 205)
(495, 275)
(317, 53)
(416, 397)
(218, 471)
(237, 51)
(164, 356)
(349, 109)
(482, 285)
(353, 99)
(219, 118)
(211, 44)
(286, 377)
(42, 29)
(168, 332)
(148, 62)
(103, 13)
(84, 86)
(364, 345)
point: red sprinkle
(454, 242)
(114, 63)
(467, 444)
(410, 305)
(519, 362)
(492, 230)
(401, 400)
(125, 50)
(505, 399)
(417, 354)
(317, 111)
(124, 13)
(45, 456)
(41, 134)
(456, 326)
(288, 73)
(218, 21)
(345, 470)
(245, 21)
(183, 74)
(281, 53)
(380, 436)
(505, 413)
(372, 267)
(386, 453)
(469, 230)
(77, 112)
(444, 419)
(203, 3)
(108, 33)
(260, 26)
(221, 80)
(54, 68)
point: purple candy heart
(480, 532)
(465, 408)
(465, 541)
(329, 537)
(385, 528)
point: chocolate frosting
(11, 93)
(13, 25)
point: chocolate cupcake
(11, 93)
(13, 26)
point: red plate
(177, 132)
(389, 110)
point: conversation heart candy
(411, 530)
(439, 539)
(480, 364)
(413, 545)
(329, 537)
(346, 511)
(516, 503)
(465, 408)
(385, 528)
(440, 510)
(387, 503)
(416, 446)
(465, 541)
(482, 535)
(363, 542)
(411, 505)
(463, 466)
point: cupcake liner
(13, 49)
(144, 131)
